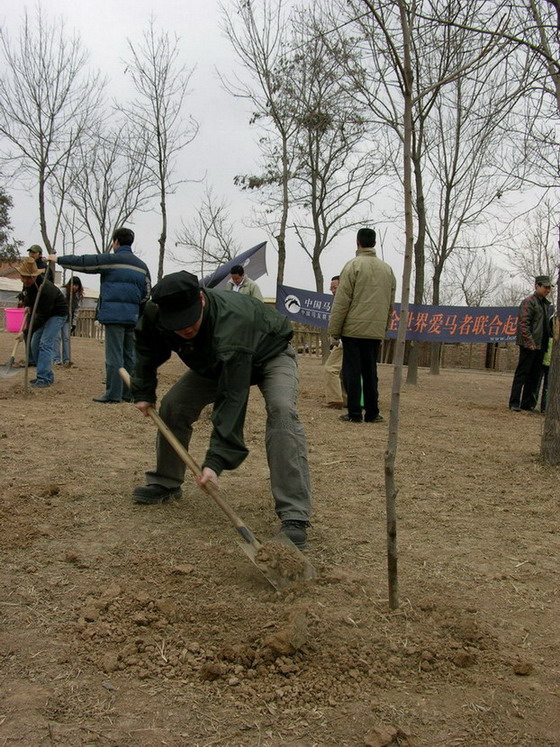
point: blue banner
(425, 323)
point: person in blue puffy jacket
(124, 289)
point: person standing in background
(240, 283)
(47, 310)
(125, 287)
(35, 252)
(360, 317)
(333, 366)
(533, 332)
(74, 293)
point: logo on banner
(292, 304)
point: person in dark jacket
(74, 293)
(125, 287)
(36, 252)
(229, 341)
(533, 332)
(50, 310)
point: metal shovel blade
(9, 370)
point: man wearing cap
(229, 342)
(51, 311)
(533, 332)
(125, 287)
(35, 252)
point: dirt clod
(524, 668)
(275, 558)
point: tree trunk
(163, 236)
(435, 358)
(42, 214)
(392, 442)
(412, 368)
(550, 443)
(419, 262)
(435, 347)
(281, 238)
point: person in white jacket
(360, 317)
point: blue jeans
(119, 353)
(42, 348)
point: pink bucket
(14, 319)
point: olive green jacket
(238, 334)
(364, 298)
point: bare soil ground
(131, 625)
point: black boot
(296, 531)
(154, 494)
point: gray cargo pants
(286, 447)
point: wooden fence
(86, 325)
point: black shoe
(376, 419)
(515, 408)
(349, 419)
(106, 401)
(296, 531)
(154, 494)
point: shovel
(8, 369)
(279, 560)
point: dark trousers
(359, 368)
(526, 379)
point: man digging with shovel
(229, 342)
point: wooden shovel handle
(210, 487)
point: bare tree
(108, 183)
(395, 27)
(378, 81)
(208, 238)
(534, 26)
(531, 248)
(337, 175)
(259, 37)
(47, 103)
(510, 294)
(161, 84)
(473, 275)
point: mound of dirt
(142, 625)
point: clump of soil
(279, 561)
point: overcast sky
(224, 147)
